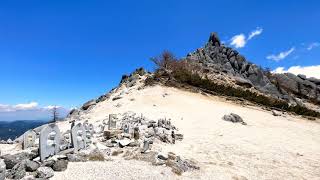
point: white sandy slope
(268, 147)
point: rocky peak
(216, 57)
(220, 58)
(214, 39)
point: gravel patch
(117, 169)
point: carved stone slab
(112, 123)
(29, 139)
(66, 141)
(49, 141)
(78, 137)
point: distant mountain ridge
(13, 129)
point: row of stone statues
(51, 142)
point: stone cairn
(130, 130)
(45, 152)
(133, 136)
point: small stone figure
(112, 123)
(173, 136)
(29, 138)
(136, 135)
(146, 144)
(78, 137)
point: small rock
(276, 113)
(45, 172)
(162, 156)
(108, 134)
(31, 165)
(179, 137)
(234, 118)
(12, 160)
(116, 98)
(29, 177)
(95, 155)
(18, 171)
(109, 144)
(60, 165)
(134, 144)
(116, 152)
(48, 163)
(124, 142)
(172, 156)
(75, 158)
(145, 148)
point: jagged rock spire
(214, 39)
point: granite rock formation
(216, 57)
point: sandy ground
(114, 170)
(268, 147)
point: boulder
(12, 160)
(179, 166)
(45, 172)
(88, 104)
(31, 165)
(233, 118)
(60, 165)
(48, 163)
(243, 82)
(18, 171)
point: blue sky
(67, 52)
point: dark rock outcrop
(300, 86)
(224, 59)
(88, 104)
(217, 57)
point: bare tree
(164, 61)
(55, 114)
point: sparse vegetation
(184, 72)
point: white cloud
(313, 45)
(18, 107)
(51, 107)
(5, 108)
(281, 55)
(238, 41)
(27, 106)
(309, 71)
(26, 111)
(254, 33)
